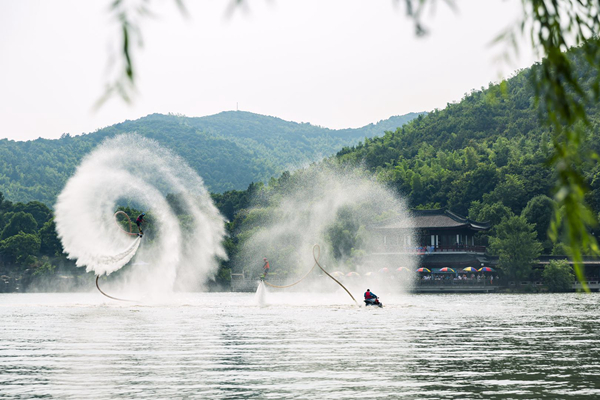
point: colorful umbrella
(486, 269)
(337, 273)
(384, 270)
(403, 269)
(352, 274)
(470, 269)
(368, 274)
(446, 269)
(423, 270)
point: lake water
(224, 346)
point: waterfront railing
(418, 250)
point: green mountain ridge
(229, 150)
(485, 157)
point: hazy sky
(334, 63)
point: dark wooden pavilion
(439, 238)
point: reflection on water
(223, 345)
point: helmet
(368, 290)
(143, 213)
(264, 259)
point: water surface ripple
(223, 346)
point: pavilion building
(439, 238)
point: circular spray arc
(180, 256)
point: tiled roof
(449, 258)
(421, 219)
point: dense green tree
(343, 234)
(21, 248)
(510, 192)
(539, 211)
(501, 152)
(416, 185)
(493, 213)
(41, 213)
(19, 222)
(50, 243)
(516, 245)
(471, 158)
(471, 187)
(560, 249)
(231, 202)
(558, 276)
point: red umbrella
(446, 269)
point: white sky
(334, 63)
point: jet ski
(373, 302)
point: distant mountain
(229, 150)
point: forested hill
(484, 156)
(229, 150)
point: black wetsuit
(139, 221)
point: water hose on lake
(295, 283)
(110, 297)
(128, 220)
(316, 255)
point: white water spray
(130, 169)
(261, 295)
(322, 205)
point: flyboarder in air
(265, 268)
(138, 222)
